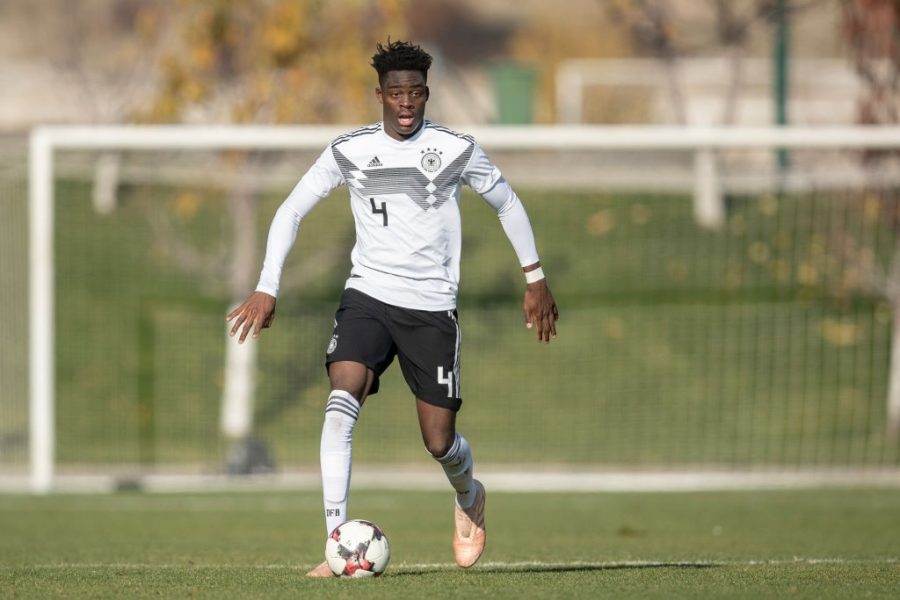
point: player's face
(402, 95)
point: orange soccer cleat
(469, 537)
(322, 570)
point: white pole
(240, 382)
(106, 182)
(709, 210)
(40, 312)
(569, 94)
(893, 400)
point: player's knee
(438, 445)
(352, 377)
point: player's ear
(427, 92)
(378, 95)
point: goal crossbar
(567, 137)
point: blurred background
(754, 335)
(591, 61)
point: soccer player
(404, 176)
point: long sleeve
(318, 182)
(485, 178)
(514, 220)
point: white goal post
(704, 143)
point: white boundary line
(496, 479)
(493, 565)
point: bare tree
(651, 24)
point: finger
(248, 326)
(245, 324)
(257, 327)
(237, 324)
(234, 313)
(546, 322)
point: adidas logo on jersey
(374, 163)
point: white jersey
(405, 201)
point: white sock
(457, 464)
(335, 455)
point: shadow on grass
(575, 567)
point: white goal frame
(45, 141)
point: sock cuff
(343, 402)
(453, 452)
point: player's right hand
(540, 310)
(256, 313)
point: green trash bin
(514, 92)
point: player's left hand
(540, 310)
(256, 313)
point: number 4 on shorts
(446, 380)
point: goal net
(723, 306)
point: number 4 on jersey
(380, 211)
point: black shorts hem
(453, 404)
(376, 382)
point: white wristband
(536, 275)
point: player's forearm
(515, 221)
(283, 231)
(282, 234)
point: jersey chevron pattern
(405, 201)
(411, 181)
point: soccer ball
(357, 548)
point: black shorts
(426, 343)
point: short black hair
(400, 56)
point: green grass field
(800, 544)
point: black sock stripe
(352, 403)
(344, 403)
(350, 400)
(340, 410)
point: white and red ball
(357, 548)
